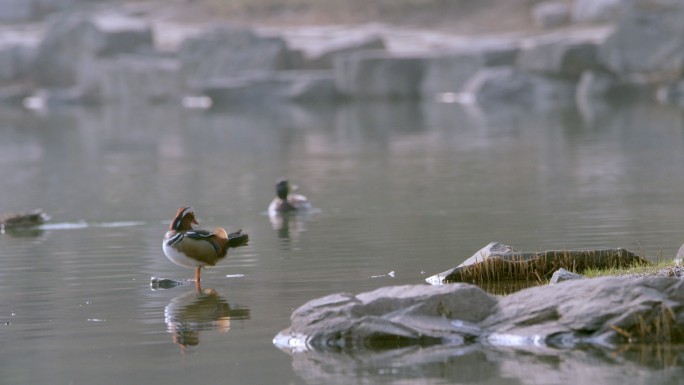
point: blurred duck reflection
(289, 225)
(204, 309)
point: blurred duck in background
(287, 202)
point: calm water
(401, 192)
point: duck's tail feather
(237, 239)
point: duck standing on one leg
(285, 201)
(189, 247)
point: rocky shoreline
(571, 311)
(122, 54)
(598, 312)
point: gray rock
(551, 14)
(598, 311)
(561, 275)
(591, 311)
(493, 248)
(17, 10)
(597, 11)
(72, 42)
(680, 256)
(16, 60)
(450, 71)
(277, 86)
(140, 78)
(312, 87)
(29, 10)
(568, 55)
(648, 41)
(509, 85)
(223, 53)
(390, 316)
(116, 33)
(377, 74)
(324, 56)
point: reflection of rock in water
(189, 314)
(481, 364)
(415, 365)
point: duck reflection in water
(289, 225)
(195, 311)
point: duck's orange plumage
(194, 248)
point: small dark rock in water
(23, 219)
(164, 283)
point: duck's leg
(197, 277)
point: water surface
(402, 191)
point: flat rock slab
(597, 312)
(497, 262)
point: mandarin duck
(190, 247)
(285, 202)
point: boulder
(594, 311)
(448, 72)
(551, 14)
(16, 60)
(648, 41)
(599, 312)
(494, 85)
(15, 11)
(496, 262)
(561, 275)
(225, 52)
(679, 257)
(74, 40)
(323, 57)
(597, 11)
(567, 55)
(140, 78)
(377, 74)
(389, 317)
(300, 86)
